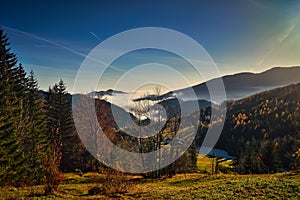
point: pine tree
(53, 174)
(19, 88)
(11, 161)
(61, 128)
(68, 136)
(37, 139)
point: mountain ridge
(243, 84)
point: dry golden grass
(189, 186)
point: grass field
(189, 186)
(204, 164)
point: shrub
(114, 182)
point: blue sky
(53, 37)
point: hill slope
(263, 130)
(241, 85)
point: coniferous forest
(32, 127)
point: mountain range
(261, 128)
(237, 86)
(241, 85)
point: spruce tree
(70, 139)
(23, 134)
(11, 161)
(61, 128)
(37, 139)
(19, 88)
(53, 174)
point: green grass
(189, 186)
(204, 164)
(229, 187)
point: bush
(114, 182)
(53, 176)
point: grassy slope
(190, 186)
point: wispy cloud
(258, 4)
(61, 46)
(96, 36)
(287, 33)
(45, 40)
(280, 40)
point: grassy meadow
(184, 186)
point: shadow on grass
(185, 182)
(191, 181)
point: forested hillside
(263, 130)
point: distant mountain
(178, 107)
(109, 92)
(107, 113)
(151, 97)
(237, 86)
(241, 85)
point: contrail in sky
(62, 46)
(281, 39)
(96, 36)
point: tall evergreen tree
(60, 103)
(70, 138)
(23, 134)
(61, 128)
(53, 174)
(11, 161)
(37, 139)
(19, 88)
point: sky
(53, 38)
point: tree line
(38, 139)
(32, 128)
